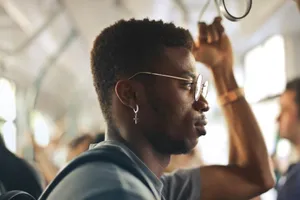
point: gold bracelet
(231, 96)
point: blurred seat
(16, 195)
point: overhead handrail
(223, 10)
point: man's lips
(200, 121)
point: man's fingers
(202, 32)
(218, 26)
(217, 20)
(213, 34)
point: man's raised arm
(248, 173)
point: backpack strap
(103, 154)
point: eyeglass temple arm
(162, 75)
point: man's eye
(188, 85)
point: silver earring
(136, 110)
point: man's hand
(214, 48)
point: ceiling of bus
(45, 44)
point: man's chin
(187, 146)
(192, 144)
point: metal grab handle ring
(229, 16)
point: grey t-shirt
(103, 180)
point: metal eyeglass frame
(197, 91)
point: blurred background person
(17, 174)
(74, 148)
(79, 145)
(298, 3)
(289, 125)
(82, 143)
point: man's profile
(154, 104)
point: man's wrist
(224, 81)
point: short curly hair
(128, 47)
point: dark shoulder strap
(103, 154)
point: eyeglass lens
(200, 88)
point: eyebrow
(189, 74)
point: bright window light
(266, 114)
(214, 146)
(41, 129)
(8, 100)
(284, 148)
(265, 69)
(9, 133)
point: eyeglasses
(199, 87)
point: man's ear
(126, 93)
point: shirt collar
(133, 157)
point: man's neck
(152, 159)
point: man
(289, 125)
(17, 174)
(154, 103)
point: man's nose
(201, 105)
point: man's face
(289, 123)
(175, 120)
